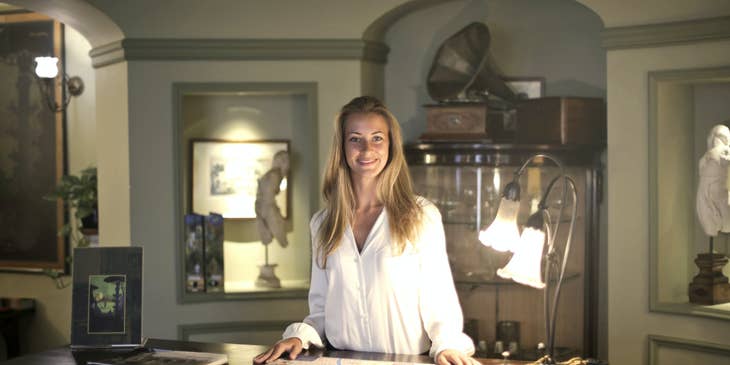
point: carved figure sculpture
(269, 221)
(713, 204)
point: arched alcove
(112, 122)
(94, 25)
(92, 119)
(558, 41)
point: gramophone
(473, 101)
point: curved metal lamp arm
(551, 310)
(552, 158)
(512, 189)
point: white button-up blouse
(378, 301)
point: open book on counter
(306, 360)
(167, 357)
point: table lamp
(534, 250)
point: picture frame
(224, 176)
(32, 148)
(526, 87)
(106, 303)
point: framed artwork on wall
(527, 87)
(31, 147)
(226, 174)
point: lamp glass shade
(525, 265)
(46, 67)
(503, 234)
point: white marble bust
(713, 203)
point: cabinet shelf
(465, 181)
(477, 282)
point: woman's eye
(354, 139)
(378, 138)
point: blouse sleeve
(311, 330)
(439, 304)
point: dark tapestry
(31, 150)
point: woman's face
(366, 144)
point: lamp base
(710, 286)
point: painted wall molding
(238, 49)
(655, 35)
(657, 342)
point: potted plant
(79, 194)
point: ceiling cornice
(656, 35)
(238, 49)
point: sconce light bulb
(503, 234)
(46, 67)
(525, 265)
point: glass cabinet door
(465, 182)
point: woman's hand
(292, 345)
(454, 357)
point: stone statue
(269, 221)
(713, 202)
(710, 286)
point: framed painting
(527, 87)
(31, 147)
(235, 178)
(106, 306)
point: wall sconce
(535, 248)
(47, 70)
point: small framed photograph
(226, 174)
(107, 297)
(526, 87)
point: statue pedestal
(710, 286)
(267, 278)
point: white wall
(51, 323)
(555, 39)
(325, 19)
(628, 189)
(81, 112)
(619, 13)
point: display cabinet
(465, 180)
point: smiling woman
(376, 286)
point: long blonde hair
(394, 187)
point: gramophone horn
(463, 64)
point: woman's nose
(364, 145)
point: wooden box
(465, 121)
(561, 120)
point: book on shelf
(194, 251)
(168, 357)
(213, 257)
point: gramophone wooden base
(710, 286)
